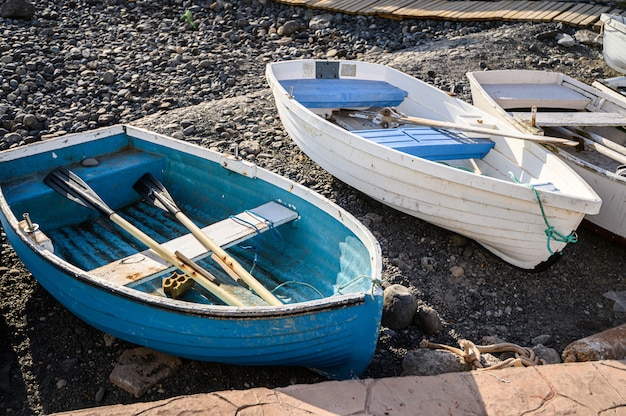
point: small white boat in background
(614, 41)
(413, 147)
(568, 108)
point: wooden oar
(594, 142)
(155, 192)
(70, 185)
(482, 130)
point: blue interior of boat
(308, 266)
(429, 143)
(344, 93)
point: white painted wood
(540, 95)
(480, 200)
(614, 41)
(225, 233)
(572, 118)
(603, 152)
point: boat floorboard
(132, 269)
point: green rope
(551, 233)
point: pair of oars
(74, 188)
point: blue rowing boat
(194, 253)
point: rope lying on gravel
(524, 356)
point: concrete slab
(587, 388)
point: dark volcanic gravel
(78, 65)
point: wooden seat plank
(572, 118)
(226, 233)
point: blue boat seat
(102, 178)
(344, 93)
(429, 143)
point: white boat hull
(489, 207)
(596, 165)
(614, 41)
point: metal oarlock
(34, 234)
(30, 226)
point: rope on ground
(470, 352)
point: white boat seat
(572, 118)
(344, 93)
(511, 96)
(131, 270)
(429, 143)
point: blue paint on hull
(332, 329)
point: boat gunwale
(203, 310)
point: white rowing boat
(574, 109)
(512, 196)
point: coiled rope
(524, 356)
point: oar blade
(70, 185)
(154, 192)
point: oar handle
(227, 261)
(170, 257)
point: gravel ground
(78, 65)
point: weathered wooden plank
(488, 10)
(423, 9)
(572, 13)
(590, 16)
(564, 17)
(462, 11)
(388, 9)
(516, 9)
(558, 8)
(457, 9)
(573, 118)
(496, 9)
(572, 16)
(360, 7)
(535, 9)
